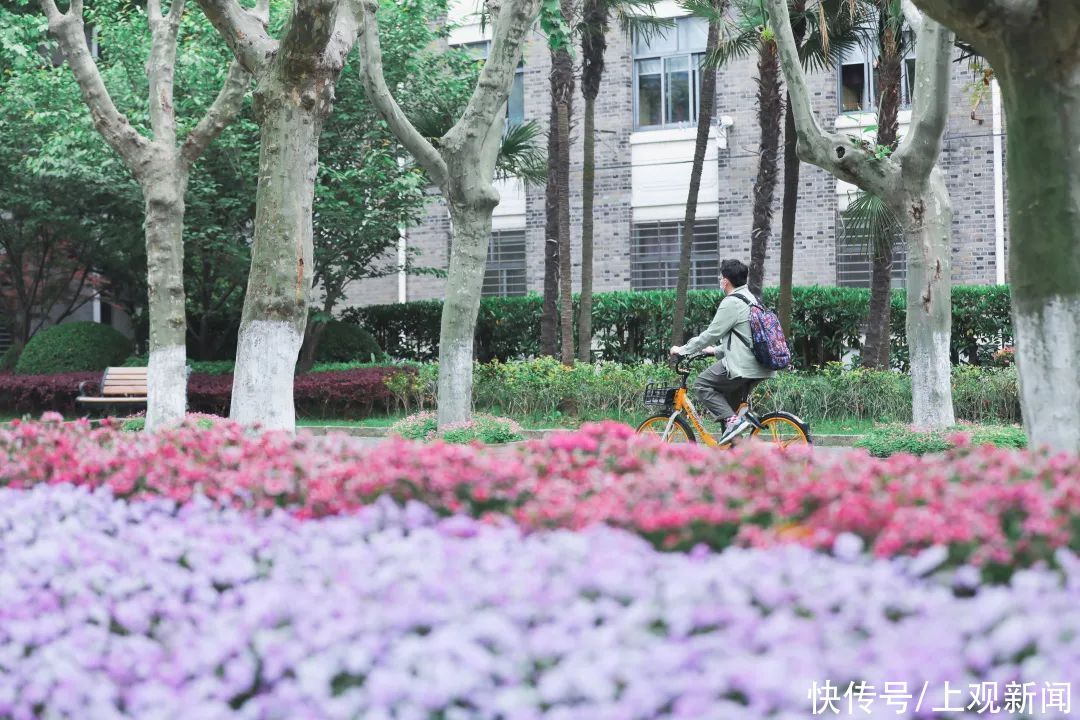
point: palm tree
(706, 110)
(829, 33)
(893, 43)
(556, 23)
(633, 16)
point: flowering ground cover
(996, 509)
(118, 609)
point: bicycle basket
(660, 395)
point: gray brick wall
(967, 161)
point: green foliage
(487, 429)
(138, 424)
(887, 440)
(73, 347)
(544, 388)
(9, 359)
(345, 342)
(631, 326)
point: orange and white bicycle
(676, 420)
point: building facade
(646, 127)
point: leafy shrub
(206, 367)
(346, 342)
(631, 326)
(9, 359)
(546, 388)
(887, 440)
(487, 429)
(73, 347)
(202, 421)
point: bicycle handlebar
(678, 361)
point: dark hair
(735, 272)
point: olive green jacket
(731, 321)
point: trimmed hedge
(544, 388)
(9, 359)
(73, 347)
(346, 342)
(344, 393)
(634, 326)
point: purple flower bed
(113, 609)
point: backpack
(769, 344)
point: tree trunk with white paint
(279, 284)
(1032, 47)
(294, 95)
(162, 169)
(463, 166)
(910, 182)
(1042, 106)
(166, 372)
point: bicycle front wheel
(681, 432)
(782, 429)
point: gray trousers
(720, 393)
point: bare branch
(919, 150)
(153, 10)
(221, 112)
(380, 96)
(243, 31)
(344, 37)
(982, 22)
(161, 73)
(913, 16)
(176, 11)
(512, 24)
(833, 152)
(69, 30)
(309, 31)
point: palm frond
(832, 29)
(736, 42)
(708, 10)
(647, 27)
(521, 154)
(869, 220)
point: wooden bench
(119, 386)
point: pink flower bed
(993, 508)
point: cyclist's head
(734, 272)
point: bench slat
(125, 390)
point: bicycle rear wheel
(681, 432)
(782, 429)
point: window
(515, 106)
(654, 259)
(505, 273)
(667, 74)
(5, 340)
(853, 258)
(859, 87)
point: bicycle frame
(684, 406)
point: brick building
(646, 124)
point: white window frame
(866, 54)
(705, 251)
(695, 56)
(481, 49)
(497, 267)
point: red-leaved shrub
(344, 393)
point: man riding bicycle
(728, 382)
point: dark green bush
(346, 342)
(73, 347)
(886, 440)
(9, 359)
(634, 326)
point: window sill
(680, 133)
